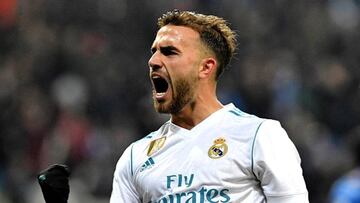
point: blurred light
(344, 13)
(70, 91)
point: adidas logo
(148, 164)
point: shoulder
(271, 138)
(139, 148)
(143, 142)
(272, 133)
(239, 120)
(262, 134)
(249, 130)
(136, 152)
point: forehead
(176, 35)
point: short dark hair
(213, 30)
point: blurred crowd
(74, 85)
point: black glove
(54, 183)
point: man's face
(174, 66)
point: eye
(168, 51)
(153, 50)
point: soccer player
(207, 151)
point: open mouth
(160, 84)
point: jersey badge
(218, 149)
(156, 145)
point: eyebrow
(165, 49)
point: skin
(179, 56)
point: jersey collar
(212, 119)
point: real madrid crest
(156, 145)
(218, 149)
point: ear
(207, 67)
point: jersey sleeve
(276, 164)
(123, 185)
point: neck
(196, 111)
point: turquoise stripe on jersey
(234, 112)
(149, 135)
(252, 149)
(238, 112)
(241, 112)
(151, 160)
(131, 160)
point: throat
(184, 123)
(192, 114)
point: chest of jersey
(201, 166)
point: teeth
(160, 95)
(155, 76)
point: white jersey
(230, 156)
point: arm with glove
(54, 183)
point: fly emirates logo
(202, 195)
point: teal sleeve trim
(131, 161)
(150, 135)
(234, 112)
(252, 149)
(238, 112)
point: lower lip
(160, 96)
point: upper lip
(156, 74)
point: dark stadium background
(74, 87)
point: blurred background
(74, 84)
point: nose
(154, 62)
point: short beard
(184, 94)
